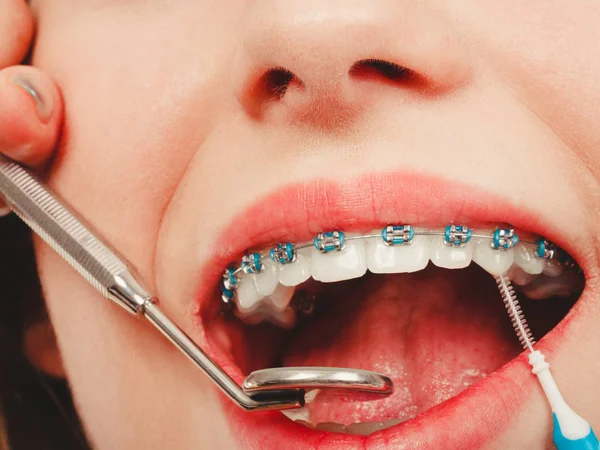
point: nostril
(384, 68)
(275, 82)
(267, 88)
(379, 68)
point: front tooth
(351, 262)
(495, 262)
(382, 258)
(298, 271)
(526, 258)
(267, 280)
(447, 256)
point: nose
(320, 61)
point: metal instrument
(116, 280)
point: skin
(166, 131)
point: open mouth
(418, 303)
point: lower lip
(475, 417)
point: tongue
(434, 333)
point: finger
(16, 31)
(30, 115)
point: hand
(30, 103)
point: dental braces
(458, 236)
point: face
(197, 130)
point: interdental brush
(571, 432)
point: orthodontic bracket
(546, 249)
(457, 235)
(252, 263)
(502, 239)
(283, 253)
(330, 241)
(398, 234)
(229, 285)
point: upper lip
(299, 211)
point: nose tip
(324, 58)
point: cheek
(132, 124)
(547, 52)
(132, 121)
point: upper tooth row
(392, 251)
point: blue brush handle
(590, 442)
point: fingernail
(43, 103)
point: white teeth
(300, 415)
(526, 258)
(266, 296)
(247, 294)
(449, 257)
(493, 261)
(254, 287)
(311, 395)
(553, 268)
(297, 272)
(267, 280)
(254, 308)
(281, 296)
(349, 263)
(382, 258)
